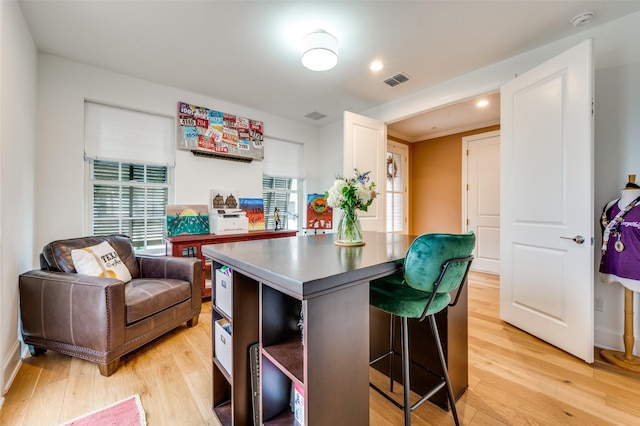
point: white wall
(330, 153)
(616, 57)
(18, 65)
(63, 86)
(617, 153)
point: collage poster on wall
(319, 213)
(208, 131)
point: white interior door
(546, 275)
(365, 142)
(481, 159)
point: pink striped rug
(128, 412)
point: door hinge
(467, 221)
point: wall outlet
(598, 304)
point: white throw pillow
(100, 261)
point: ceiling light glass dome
(319, 51)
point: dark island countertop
(309, 265)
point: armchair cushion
(100, 260)
(145, 297)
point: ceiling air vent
(316, 115)
(396, 79)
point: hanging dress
(621, 241)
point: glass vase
(349, 231)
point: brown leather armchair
(102, 319)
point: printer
(228, 221)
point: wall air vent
(316, 115)
(399, 78)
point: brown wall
(435, 180)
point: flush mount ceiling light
(319, 51)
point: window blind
(120, 134)
(280, 193)
(283, 159)
(130, 199)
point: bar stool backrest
(427, 255)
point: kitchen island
(306, 301)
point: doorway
(435, 143)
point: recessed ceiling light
(482, 103)
(376, 66)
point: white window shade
(283, 159)
(119, 134)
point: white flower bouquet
(351, 194)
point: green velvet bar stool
(435, 266)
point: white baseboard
(612, 339)
(11, 366)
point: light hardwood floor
(514, 379)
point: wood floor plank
(82, 387)
(514, 379)
(484, 419)
(46, 404)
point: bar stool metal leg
(392, 344)
(406, 362)
(405, 372)
(436, 335)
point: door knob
(578, 239)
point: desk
(273, 280)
